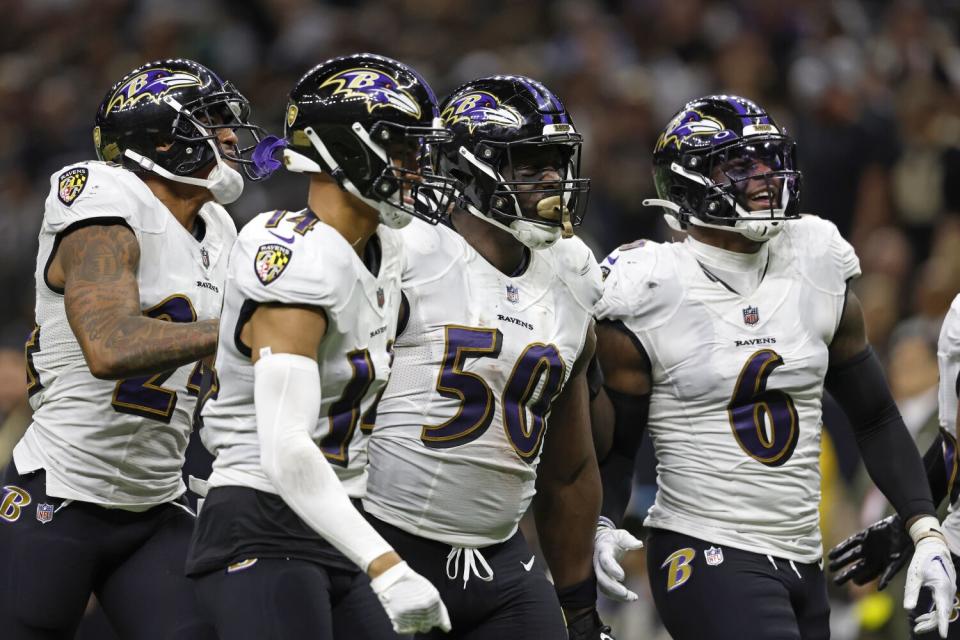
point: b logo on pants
(680, 570)
(14, 500)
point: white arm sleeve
(287, 404)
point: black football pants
(54, 555)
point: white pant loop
(471, 559)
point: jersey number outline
(344, 414)
(29, 349)
(145, 396)
(539, 367)
(753, 406)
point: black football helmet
(372, 124)
(723, 162)
(164, 117)
(493, 120)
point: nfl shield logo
(714, 556)
(513, 294)
(44, 512)
(751, 315)
(380, 297)
(205, 257)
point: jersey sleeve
(312, 269)
(90, 191)
(626, 273)
(948, 359)
(830, 260)
(580, 272)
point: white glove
(609, 545)
(411, 602)
(931, 567)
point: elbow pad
(287, 400)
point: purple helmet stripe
(747, 119)
(546, 100)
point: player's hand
(411, 602)
(588, 626)
(880, 550)
(609, 545)
(932, 568)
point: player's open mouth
(762, 199)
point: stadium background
(869, 89)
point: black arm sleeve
(616, 470)
(889, 453)
(940, 461)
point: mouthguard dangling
(552, 208)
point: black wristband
(581, 595)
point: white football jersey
(293, 258)
(735, 411)
(461, 424)
(948, 356)
(118, 443)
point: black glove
(880, 550)
(588, 626)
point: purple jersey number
(476, 398)
(753, 407)
(345, 412)
(535, 381)
(145, 396)
(29, 349)
(539, 367)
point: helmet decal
(715, 157)
(153, 83)
(292, 111)
(689, 125)
(376, 87)
(479, 108)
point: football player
(311, 309)
(129, 284)
(721, 346)
(495, 332)
(882, 549)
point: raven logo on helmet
(153, 83)
(479, 108)
(376, 87)
(691, 125)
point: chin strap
(299, 163)
(759, 230)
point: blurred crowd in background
(871, 91)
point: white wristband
(925, 527)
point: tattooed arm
(97, 267)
